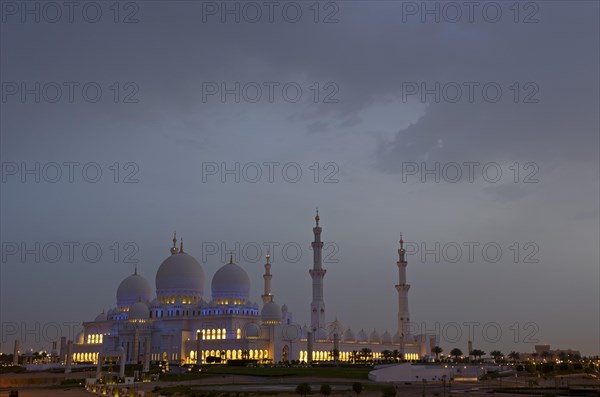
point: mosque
(178, 324)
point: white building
(177, 322)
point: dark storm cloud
(373, 59)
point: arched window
(238, 334)
(218, 334)
(224, 333)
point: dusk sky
(476, 135)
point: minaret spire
(267, 296)
(135, 269)
(402, 287)
(181, 246)
(174, 249)
(317, 306)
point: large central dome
(231, 284)
(180, 274)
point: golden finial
(181, 246)
(268, 256)
(317, 217)
(135, 269)
(231, 257)
(174, 248)
(401, 240)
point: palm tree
(534, 355)
(497, 354)
(514, 356)
(545, 355)
(366, 353)
(437, 350)
(386, 354)
(325, 390)
(396, 355)
(303, 389)
(354, 356)
(477, 353)
(456, 352)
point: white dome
(374, 337)
(101, 317)
(139, 311)
(271, 313)
(79, 338)
(231, 281)
(320, 334)
(304, 332)
(180, 273)
(349, 336)
(362, 336)
(133, 289)
(386, 338)
(335, 328)
(397, 338)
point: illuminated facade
(174, 322)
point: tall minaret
(402, 288)
(267, 296)
(317, 306)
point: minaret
(267, 296)
(402, 288)
(317, 307)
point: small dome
(304, 332)
(271, 313)
(397, 338)
(335, 328)
(362, 336)
(252, 330)
(139, 311)
(349, 336)
(386, 338)
(230, 282)
(101, 317)
(79, 338)
(320, 334)
(374, 337)
(180, 273)
(284, 308)
(133, 289)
